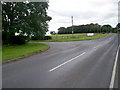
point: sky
(83, 12)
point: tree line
(88, 28)
(22, 21)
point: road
(78, 64)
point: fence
(59, 37)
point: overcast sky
(83, 11)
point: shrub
(37, 38)
(47, 37)
(9, 39)
(34, 38)
(19, 40)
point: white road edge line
(114, 70)
(66, 62)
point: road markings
(66, 62)
(114, 70)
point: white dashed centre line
(66, 62)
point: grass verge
(69, 37)
(12, 52)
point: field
(74, 37)
(10, 52)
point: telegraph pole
(72, 25)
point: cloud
(84, 12)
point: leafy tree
(118, 25)
(24, 18)
(117, 29)
(88, 28)
(61, 30)
(52, 33)
(38, 19)
(106, 28)
(12, 20)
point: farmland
(73, 37)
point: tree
(52, 33)
(107, 28)
(118, 25)
(88, 28)
(24, 18)
(13, 21)
(39, 19)
(117, 29)
(61, 30)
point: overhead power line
(59, 13)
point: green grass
(119, 32)
(75, 37)
(10, 52)
(69, 34)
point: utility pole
(72, 25)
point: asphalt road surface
(78, 64)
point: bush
(37, 38)
(47, 37)
(34, 38)
(6, 38)
(9, 39)
(19, 40)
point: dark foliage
(89, 28)
(11, 39)
(47, 37)
(27, 19)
